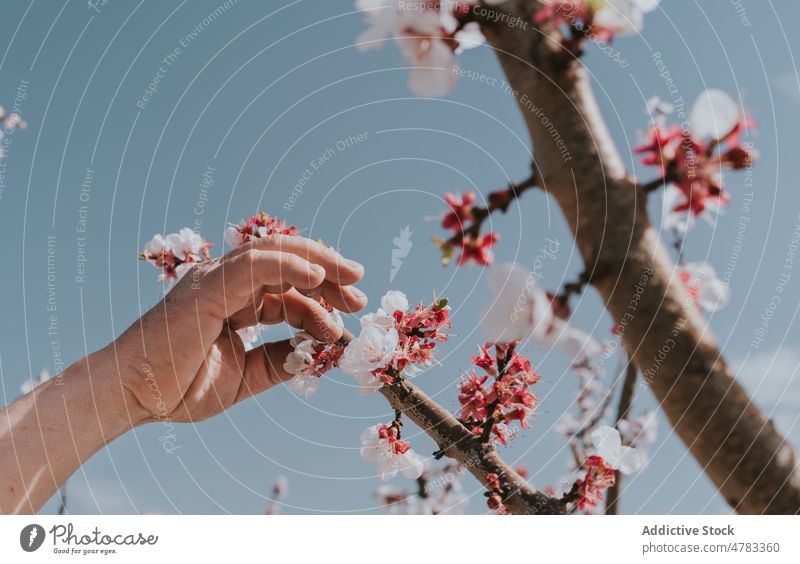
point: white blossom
(385, 453)
(423, 32)
(608, 445)
(520, 310)
(374, 348)
(640, 432)
(300, 362)
(624, 17)
(394, 300)
(714, 114)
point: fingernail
(354, 264)
(358, 293)
(317, 269)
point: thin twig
(480, 214)
(623, 409)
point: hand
(184, 361)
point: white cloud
(787, 83)
(773, 380)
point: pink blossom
(692, 160)
(705, 288)
(428, 33)
(176, 253)
(492, 406)
(308, 361)
(478, 249)
(599, 19)
(599, 476)
(382, 444)
(460, 210)
(395, 341)
(256, 227)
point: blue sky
(259, 94)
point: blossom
(576, 343)
(599, 476)
(520, 310)
(8, 124)
(624, 17)
(256, 227)
(394, 498)
(176, 253)
(608, 445)
(394, 301)
(474, 248)
(460, 210)
(640, 432)
(598, 19)
(394, 341)
(478, 249)
(308, 361)
(491, 406)
(11, 121)
(705, 288)
(439, 491)
(382, 444)
(691, 160)
(429, 35)
(280, 489)
(373, 349)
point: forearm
(48, 433)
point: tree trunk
(740, 450)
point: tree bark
(749, 462)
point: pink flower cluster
(465, 219)
(692, 159)
(382, 444)
(494, 494)
(176, 253)
(260, 225)
(489, 407)
(394, 340)
(598, 20)
(309, 360)
(599, 477)
(429, 34)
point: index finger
(338, 269)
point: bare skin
(182, 361)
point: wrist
(101, 378)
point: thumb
(263, 368)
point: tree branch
(469, 451)
(740, 450)
(481, 214)
(474, 455)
